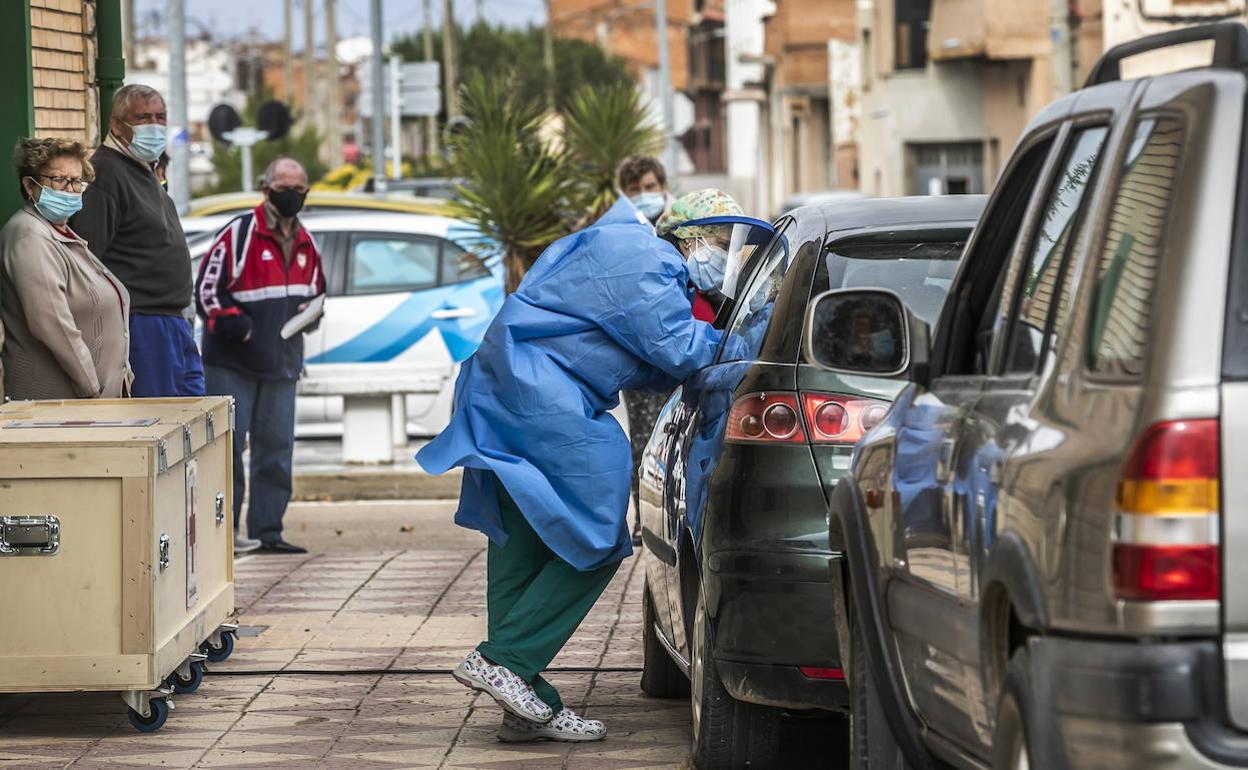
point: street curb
(370, 484)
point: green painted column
(110, 62)
(17, 94)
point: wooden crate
(112, 608)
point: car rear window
(920, 273)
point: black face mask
(287, 202)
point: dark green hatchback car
(736, 477)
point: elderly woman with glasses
(65, 316)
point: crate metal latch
(29, 535)
(163, 549)
(220, 508)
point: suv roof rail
(1230, 49)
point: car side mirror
(867, 332)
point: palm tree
(519, 191)
(602, 127)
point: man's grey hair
(127, 94)
(271, 169)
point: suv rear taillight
(1166, 527)
(765, 418)
(833, 419)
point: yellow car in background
(237, 203)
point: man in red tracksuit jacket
(262, 269)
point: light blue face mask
(149, 141)
(650, 204)
(706, 266)
(56, 206)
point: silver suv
(1040, 535)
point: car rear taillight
(833, 419)
(1166, 527)
(817, 672)
(765, 418)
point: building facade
(62, 62)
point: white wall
(943, 103)
(744, 35)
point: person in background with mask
(643, 180)
(262, 269)
(131, 223)
(66, 315)
(546, 467)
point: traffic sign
(419, 95)
(421, 74)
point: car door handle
(448, 313)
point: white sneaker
(244, 544)
(515, 695)
(566, 726)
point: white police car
(405, 292)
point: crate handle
(163, 549)
(29, 535)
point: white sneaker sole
(508, 735)
(472, 683)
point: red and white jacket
(246, 292)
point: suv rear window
(920, 273)
(1127, 270)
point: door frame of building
(17, 90)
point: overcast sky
(230, 18)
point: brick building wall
(62, 35)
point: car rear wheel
(1010, 750)
(871, 742)
(660, 676)
(727, 734)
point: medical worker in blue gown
(546, 469)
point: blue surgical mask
(650, 204)
(706, 266)
(148, 142)
(56, 206)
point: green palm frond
(518, 190)
(602, 127)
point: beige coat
(66, 318)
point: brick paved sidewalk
(351, 615)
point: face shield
(738, 236)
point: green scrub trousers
(535, 601)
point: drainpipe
(110, 62)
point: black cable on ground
(414, 671)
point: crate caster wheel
(158, 712)
(219, 648)
(187, 679)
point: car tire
(727, 734)
(660, 676)
(1011, 749)
(871, 742)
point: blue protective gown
(603, 310)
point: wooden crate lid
(96, 422)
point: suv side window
(460, 265)
(974, 308)
(1126, 273)
(1031, 327)
(744, 337)
(391, 262)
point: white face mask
(706, 264)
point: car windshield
(920, 273)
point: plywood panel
(138, 562)
(68, 603)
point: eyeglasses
(63, 183)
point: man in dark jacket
(131, 224)
(262, 270)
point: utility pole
(179, 162)
(288, 54)
(333, 113)
(309, 61)
(128, 21)
(665, 86)
(396, 120)
(379, 103)
(480, 11)
(431, 126)
(448, 59)
(548, 58)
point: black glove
(235, 327)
